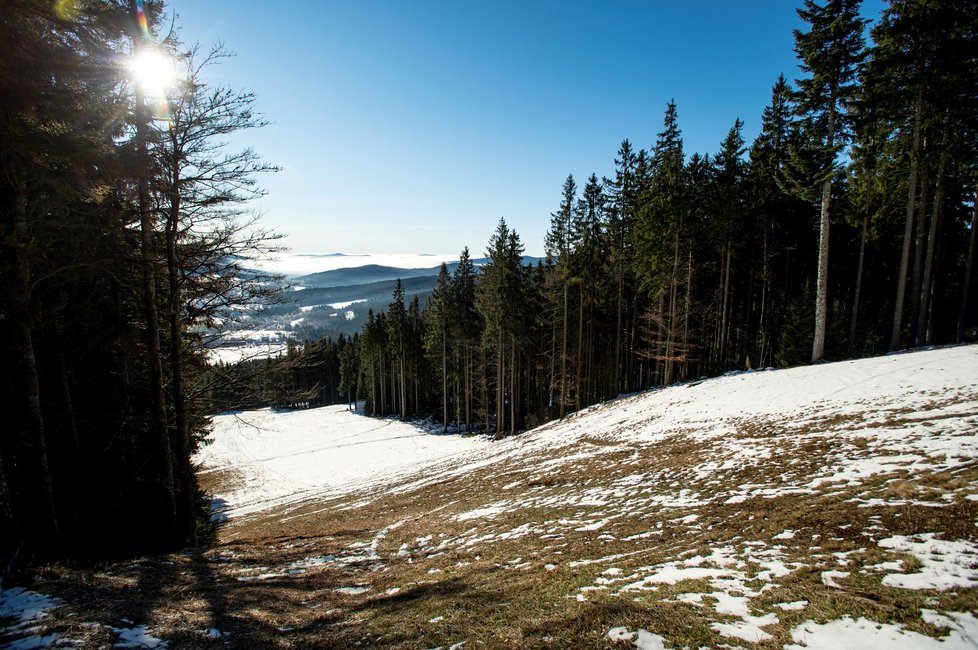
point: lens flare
(155, 72)
(141, 18)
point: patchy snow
(849, 634)
(344, 305)
(641, 638)
(946, 564)
(136, 637)
(850, 429)
(26, 610)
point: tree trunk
(444, 378)
(908, 225)
(512, 387)
(500, 385)
(969, 262)
(36, 438)
(859, 279)
(404, 397)
(925, 285)
(616, 369)
(158, 420)
(920, 241)
(580, 344)
(468, 387)
(185, 479)
(563, 356)
(822, 282)
(765, 289)
(725, 313)
(689, 291)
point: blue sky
(411, 127)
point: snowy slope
(269, 459)
(265, 459)
(831, 506)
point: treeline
(311, 374)
(123, 232)
(846, 228)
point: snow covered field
(831, 506)
(268, 459)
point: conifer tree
(468, 325)
(439, 313)
(830, 52)
(559, 246)
(621, 201)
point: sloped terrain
(828, 506)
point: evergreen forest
(845, 228)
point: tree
(559, 246)
(830, 52)
(468, 325)
(621, 207)
(397, 323)
(203, 187)
(659, 235)
(439, 315)
(918, 81)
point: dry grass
(413, 569)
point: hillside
(829, 506)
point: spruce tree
(830, 52)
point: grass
(550, 567)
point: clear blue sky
(413, 126)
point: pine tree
(559, 246)
(659, 237)
(830, 52)
(468, 325)
(439, 314)
(621, 206)
(918, 82)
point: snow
(344, 305)
(136, 637)
(26, 610)
(279, 458)
(249, 344)
(946, 564)
(641, 638)
(849, 634)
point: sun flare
(154, 71)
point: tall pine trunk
(563, 355)
(157, 414)
(968, 265)
(920, 241)
(859, 279)
(908, 225)
(444, 378)
(926, 282)
(185, 477)
(821, 284)
(36, 438)
(580, 344)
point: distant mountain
(335, 302)
(359, 276)
(378, 273)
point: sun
(154, 71)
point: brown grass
(513, 579)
